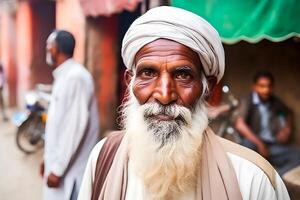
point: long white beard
(49, 59)
(165, 154)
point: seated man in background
(265, 123)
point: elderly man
(166, 150)
(72, 126)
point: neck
(61, 59)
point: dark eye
(183, 75)
(147, 73)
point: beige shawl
(218, 180)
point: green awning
(249, 20)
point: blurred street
(19, 172)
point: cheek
(142, 90)
(190, 95)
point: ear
(212, 82)
(128, 76)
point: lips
(162, 117)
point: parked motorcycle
(222, 116)
(31, 124)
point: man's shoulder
(112, 137)
(77, 70)
(244, 106)
(253, 159)
(97, 148)
(279, 105)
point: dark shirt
(274, 112)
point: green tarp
(250, 20)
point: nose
(165, 91)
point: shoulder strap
(252, 156)
(104, 161)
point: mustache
(175, 111)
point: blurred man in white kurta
(72, 125)
(166, 150)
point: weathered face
(167, 72)
(264, 88)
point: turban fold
(180, 26)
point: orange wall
(23, 35)
(102, 40)
(42, 24)
(8, 54)
(24, 48)
(34, 22)
(109, 73)
(69, 16)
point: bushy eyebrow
(185, 68)
(145, 64)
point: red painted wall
(8, 55)
(109, 68)
(69, 16)
(43, 23)
(23, 35)
(24, 48)
(34, 22)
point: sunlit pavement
(19, 173)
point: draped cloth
(251, 21)
(96, 8)
(180, 26)
(217, 179)
(115, 183)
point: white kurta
(72, 116)
(253, 182)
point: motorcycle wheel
(30, 134)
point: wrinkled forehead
(165, 48)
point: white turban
(180, 26)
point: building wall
(282, 59)
(43, 23)
(8, 54)
(34, 21)
(70, 17)
(24, 30)
(101, 60)
(24, 49)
